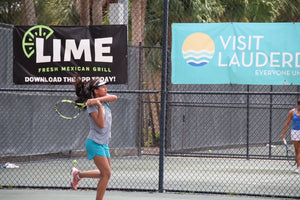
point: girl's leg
(90, 174)
(103, 164)
(78, 175)
(109, 162)
(297, 152)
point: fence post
(270, 122)
(248, 123)
(163, 97)
(140, 124)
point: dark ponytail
(83, 90)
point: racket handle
(284, 141)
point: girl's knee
(106, 174)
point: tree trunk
(28, 12)
(138, 20)
(154, 81)
(97, 10)
(84, 12)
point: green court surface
(23, 194)
(235, 176)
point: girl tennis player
(294, 115)
(94, 93)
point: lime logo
(198, 49)
(37, 39)
(30, 36)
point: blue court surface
(34, 194)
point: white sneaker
(75, 179)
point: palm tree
(289, 11)
(207, 11)
(10, 12)
(59, 12)
(262, 10)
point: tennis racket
(68, 109)
(290, 155)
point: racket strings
(68, 110)
(290, 155)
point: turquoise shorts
(94, 149)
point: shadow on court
(23, 194)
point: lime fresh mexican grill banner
(236, 53)
(53, 54)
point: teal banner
(236, 53)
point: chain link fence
(218, 138)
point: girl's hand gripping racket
(68, 109)
(290, 155)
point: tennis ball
(74, 161)
(209, 151)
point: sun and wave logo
(198, 49)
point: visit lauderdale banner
(236, 53)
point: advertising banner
(53, 54)
(236, 53)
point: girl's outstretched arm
(107, 98)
